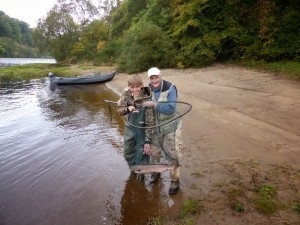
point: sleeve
(168, 108)
(122, 104)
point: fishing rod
(109, 106)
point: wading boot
(140, 177)
(154, 177)
(174, 187)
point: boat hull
(88, 79)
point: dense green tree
(10, 28)
(208, 30)
(26, 34)
(106, 7)
(123, 17)
(145, 45)
(16, 38)
(93, 35)
(59, 33)
(81, 11)
(158, 12)
(193, 32)
(137, 34)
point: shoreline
(242, 132)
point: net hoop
(162, 124)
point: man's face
(155, 80)
(135, 89)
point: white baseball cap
(153, 71)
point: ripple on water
(61, 160)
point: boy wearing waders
(131, 102)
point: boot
(140, 177)
(154, 177)
(174, 187)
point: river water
(19, 61)
(61, 159)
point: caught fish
(152, 168)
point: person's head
(154, 77)
(135, 84)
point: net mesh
(182, 109)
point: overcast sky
(28, 11)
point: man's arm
(168, 108)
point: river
(61, 159)
(20, 61)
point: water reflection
(84, 102)
(81, 108)
(138, 201)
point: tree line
(15, 38)
(137, 34)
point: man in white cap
(165, 139)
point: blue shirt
(166, 108)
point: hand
(147, 149)
(131, 108)
(150, 104)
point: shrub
(145, 45)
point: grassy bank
(285, 68)
(41, 70)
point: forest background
(137, 34)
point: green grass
(190, 207)
(265, 201)
(284, 68)
(185, 215)
(234, 194)
(158, 220)
(30, 71)
(41, 70)
(290, 68)
(238, 207)
(296, 206)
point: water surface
(21, 61)
(61, 159)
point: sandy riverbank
(243, 132)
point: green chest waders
(134, 139)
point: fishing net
(182, 109)
(167, 126)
